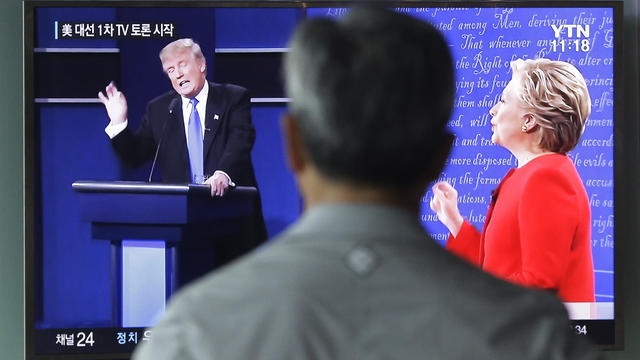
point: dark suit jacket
(228, 139)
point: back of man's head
(372, 93)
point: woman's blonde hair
(557, 95)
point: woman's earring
(524, 128)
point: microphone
(172, 106)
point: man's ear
(294, 147)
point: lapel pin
(216, 117)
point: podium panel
(163, 236)
(143, 282)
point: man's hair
(372, 94)
(179, 46)
(557, 95)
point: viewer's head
(556, 94)
(184, 64)
(371, 94)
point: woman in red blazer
(538, 227)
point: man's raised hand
(115, 103)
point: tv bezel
(621, 136)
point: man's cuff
(113, 130)
(231, 183)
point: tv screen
(79, 300)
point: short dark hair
(372, 93)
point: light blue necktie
(195, 145)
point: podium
(163, 236)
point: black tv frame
(622, 135)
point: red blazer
(537, 232)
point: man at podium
(200, 132)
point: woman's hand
(445, 204)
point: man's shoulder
(294, 262)
(227, 87)
(260, 271)
(272, 275)
(253, 287)
(163, 99)
(227, 91)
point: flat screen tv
(72, 50)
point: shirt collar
(201, 96)
(363, 218)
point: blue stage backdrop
(75, 269)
